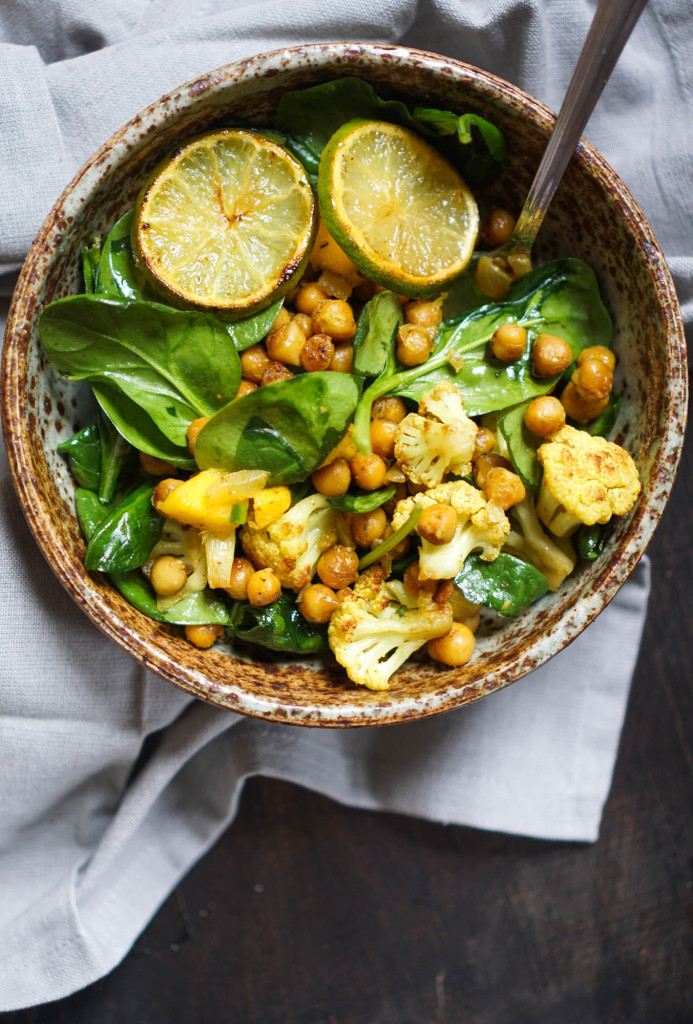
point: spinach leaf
(604, 423)
(91, 255)
(200, 608)
(279, 626)
(119, 277)
(286, 428)
(591, 540)
(174, 364)
(364, 501)
(253, 329)
(125, 537)
(309, 118)
(507, 584)
(90, 511)
(375, 334)
(116, 455)
(522, 446)
(83, 454)
(141, 430)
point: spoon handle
(611, 26)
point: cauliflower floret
(481, 526)
(379, 625)
(536, 547)
(292, 544)
(184, 543)
(439, 439)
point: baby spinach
(483, 147)
(175, 365)
(141, 430)
(507, 584)
(522, 446)
(286, 428)
(119, 276)
(279, 626)
(116, 454)
(91, 254)
(364, 501)
(591, 540)
(253, 329)
(125, 537)
(83, 454)
(375, 334)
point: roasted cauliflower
(555, 559)
(186, 544)
(379, 624)
(586, 480)
(481, 526)
(439, 439)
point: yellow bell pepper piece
(206, 500)
(269, 505)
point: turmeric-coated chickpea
(550, 355)
(275, 371)
(155, 466)
(309, 297)
(286, 343)
(453, 649)
(318, 353)
(580, 409)
(392, 409)
(283, 317)
(241, 571)
(303, 321)
(593, 380)
(368, 526)
(254, 362)
(338, 566)
(509, 342)
(343, 358)
(204, 635)
(425, 314)
(485, 463)
(264, 588)
(544, 416)
(413, 344)
(317, 603)
(333, 479)
(168, 575)
(163, 489)
(246, 387)
(368, 471)
(497, 228)
(336, 318)
(437, 524)
(383, 433)
(601, 352)
(194, 429)
(504, 488)
(485, 441)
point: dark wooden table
(306, 912)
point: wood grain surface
(306, 912)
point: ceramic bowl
(592, 217)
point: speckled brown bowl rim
(199, 683)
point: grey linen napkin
(89, 848)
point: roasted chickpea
(580, 409)
(544, 416)
(333, 479)
(504, 488)
(368, 471)
(275, 371)
(241, 571)
(204, 636)
(368, 526)
(342, 359)
(413, 344)
(303, 321)
(286, 343)
(336, 318)
(309, 297)
(338, 566)
(509, 342)
(425, 314)
(485, 441)
(437, 524)
(168, 575)
(318, 353)
(283, 317)
(497, 228)
(593, 380)
(254, 362)
(383, 433)
(263, 588)
(317, 603)
(163, 489)
(194, 430)
(246, 387)
(154, 466)
(550, 355)
(392, 409)
(601, 352)
(485, 463)
(453, 649)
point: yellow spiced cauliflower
(439, 439)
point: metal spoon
(611, 26)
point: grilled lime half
(226, 224)
(396, 206)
